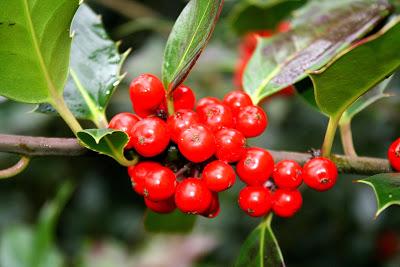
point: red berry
(256, 201)
(214, 208)
(193, 196)
(287, 174)
(150, 137)
(124, 122)
(230, 145)
(394, 155)
(251, 121)
(286, 202)
(236, 100)
(216, 116)
(207, 101)
(159, 183)
(183, 98)
(163, 206)
(255, 167)
(181, 120)
(320, 174)
(197, 143)
(146, 93)
(138, 173)
(218, 176)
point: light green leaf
(285, 58)
(187, 40)
(175, 222)
(34, 48)
(261, 248)
(95, 69)
(386, 187)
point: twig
(19, 167)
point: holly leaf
(258, 15)
(285, 58)
(386, 187)
(187, 40)
(261, 248)
(95, 69)
(175, 222)
(358, 69)
(34, 48)
(106, 141)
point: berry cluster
(187, 156)
(394, 155)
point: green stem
(101, 121)
(62, 109)
(170, 105)
(330, 136)
(347, 139)
(125, 162)
(19, 167)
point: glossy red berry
(150, 137)
(207, 101)
(214, 208)
(287, 174)
(197, 143)
(146, 93)
(124, 122)
(159, 183)
(193, 196)
(181, 120)
(255, 167)
(218, 176)
(320, 174)
(236, 100)
(394, 155)
(138, 173)
(230, 145)
(183, 98)
(163, 206)
(286, 202)
(251, 121)
(256, 201)
(216, 116)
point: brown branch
(41, 146)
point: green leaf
(256, 15)
(16, 246)
(187, 40)
(106, 141)
(285, 58)
(387, 189)
(261, 248)
(357, 70)
(175, 222)
(95, 69)
(34, 48)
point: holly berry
(256, 201)
(138, 174)
(214, 208)
(216, 116)
(230, 145)
(320, 174)
(124, 122)
(218, 176)
(146, 93)
(251, 121)
(163, 206)
(286, 202)
(287, 174)
(236, 100)
(394, 155)
(207, 101)
(150, 137)
(255, 167)
(197, 143)
(159, 183)
(193, 196)
(183, 98)
(181, 120)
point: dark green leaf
(387, 189)
(94, 69)
(357, 70)
(187, 40)
(285, 58)
(261, 248)
(261, 15)
(175, 222)
(106, 141)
